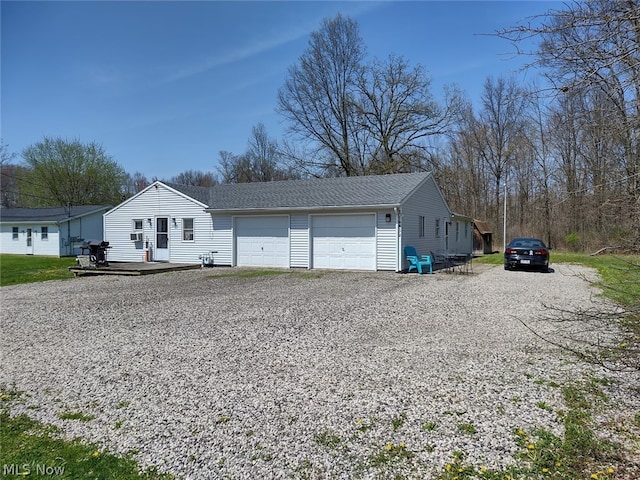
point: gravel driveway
(210, 374)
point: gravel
(208, 373)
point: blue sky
(164, 86)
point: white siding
(48, 247)
(59, 240)
(7, 244)
(299, 240)
(427, 202)
(158, 201)
(386, 241)
(222, 239)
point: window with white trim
(437, 228)
(14, 233)
(44, 233)
(137, 224)
(420, 226)
(187, 229)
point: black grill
(97, 252)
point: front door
(161, 253)
(29, 241)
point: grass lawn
(29, 448)
(15, 269)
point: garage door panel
(347, 232)
(344, 242)
(262, 241)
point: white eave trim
(326, 208)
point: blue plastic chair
(416, 262)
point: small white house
(360, 223)
(55, 231)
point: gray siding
(426, 201)
(461, 236)
(299, 240)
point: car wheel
(506, 266)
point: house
(55, 231)
(358, 223)
(459, 238)
(482, 237)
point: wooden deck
(134, 268)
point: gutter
(326, 208)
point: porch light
(387, 218)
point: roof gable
(378, 190)
(183, 191)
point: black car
(529, 253)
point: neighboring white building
(360, 223)
(56, 231)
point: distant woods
(565, 152)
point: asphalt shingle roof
(310, 193)
(49, 214)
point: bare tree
(397, 109)
(139, 182)
(196, 178)
(135, 183)
(318, 96)
(9, 178)
(500, 131)
(592, 49)
(262, 162)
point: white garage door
(344, 242)
(262, 241)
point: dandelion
(95, 454)
(545, 470)
(558, 464)
(359, 420)
(402, 445)
(520, 432)
(447, 467)
(483, 469)
(531, 446)
(389, 447)
(610, 470)
(594, 476)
